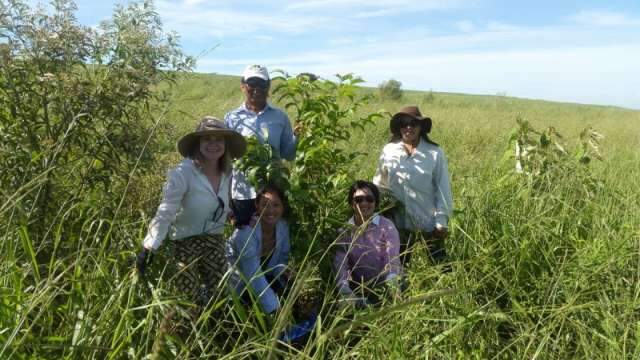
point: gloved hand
(143, 259)
(360, 302)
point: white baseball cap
(258, 71)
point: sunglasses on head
(257, 83)
(406, 122)
(361, 198)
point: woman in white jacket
(413, 170)
(194, 209)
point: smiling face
(212, 147)
(270, 207)
(255, 92)
(409, 130)
(363, 204)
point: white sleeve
(381, 178)
(173, 193)
(443, 200)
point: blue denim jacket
(243, 253)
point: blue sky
(574, 51)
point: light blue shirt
(244, 248)
(272, 126)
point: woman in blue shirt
(259, 252)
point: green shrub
(317, 182)
(75, 105)
(390, 90)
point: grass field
(547, 270)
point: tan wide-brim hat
(235, 144)
(412, 112)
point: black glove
(142, 260)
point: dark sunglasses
(406, 122)
(257, 83)
(217, 214)
(360, 198)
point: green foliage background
(545, 264)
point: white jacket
(420, 182)
(188, 206)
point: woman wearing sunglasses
(367, 255)
(194, 208)
(259, 252)
(413, 170)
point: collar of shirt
(421, 149)
(244, 108)
(375, 220)
(204, 180)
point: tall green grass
(538, 272)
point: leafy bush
(317, 182)
(75, 104)
(390, 90)
(429, 97)
(549, 199)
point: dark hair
(273, 188)
(425, 128)
(363, 184)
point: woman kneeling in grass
(367, 258)
(259, 252)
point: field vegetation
(546, 261)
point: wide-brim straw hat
(411, 111)
(235, 144)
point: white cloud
(318, 4)
(588, 75)
(498, 26)
(555, 63)
(465, 26)
(195, 20)
(375, 8)
(193, 2)
(604, 18)
(589, 58)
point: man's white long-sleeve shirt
(188, 206)
(420, 181)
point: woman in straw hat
(413, 170)
(194, 208)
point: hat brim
(235, 144)
(394, 124)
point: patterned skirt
(201, 265)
